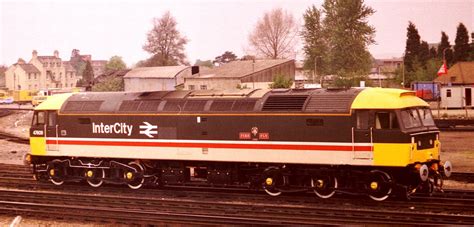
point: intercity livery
(373, 141)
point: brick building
(41, 72)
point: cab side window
(386, 120)
(52, 118)
(39, 118)
(362, 119)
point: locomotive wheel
(324, 186)
(379, 185)
(56, 172)
(95, 177)
(135, 178)
(272, 178)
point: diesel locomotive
(372, 141)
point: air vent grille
(285, 103)
(334, 103)
(244, 105)
(82, 106)
(195, 105)
(222, 105)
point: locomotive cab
(402, 131)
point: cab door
(362, 132)
(52, 131)
(38, 133)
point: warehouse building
(241, 74)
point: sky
(104, 28)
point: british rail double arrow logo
(148, 129)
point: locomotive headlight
(129, 175)
(90, 173)
(269, 181)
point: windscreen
(417, 117)
(426, 117)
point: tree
(315, 46)
(424, 53)
(207, 63)
(226, 57)
(461, 44)
(274, 36)
(444, 49)
(472, 47)
(281, 81)
(111, 83)
(165, 43)
(87, 75)
(348, 34)
(433, 52)
(412, 49)
(115, 63)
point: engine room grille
(195, 105)
(285, 103)
(82, 106)
(222, 105)
(173, 106)
(334, 103)
(129, 105)
(244, 105)
(149, 106)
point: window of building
(58, 64)
(29, 76)
(35, 76)
(191, 87)
(448, 93)
(453, 78)
(51, 64)
(29, 87)
(45, 64)
(203, 87)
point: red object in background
(443, 69)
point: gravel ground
(26, 221)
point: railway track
(15, 139)
(22, 195)
(223, 208)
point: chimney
(194, 70)
(35, 54)
(56, 54)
